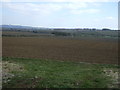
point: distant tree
(105, 29)
(94, 29)
(35, 32)
(61, 33)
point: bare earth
(93, 51)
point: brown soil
(82, 50)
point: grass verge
(38, 73)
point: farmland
(88, 60)
(82, 50)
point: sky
(60, 13)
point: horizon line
(61, 27)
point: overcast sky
(61, 13)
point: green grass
(39, 73)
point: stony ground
(8, 68)
(114, 73)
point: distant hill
(29, 28)
(18, 30)
(19, 27)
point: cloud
(6, 1)
(60, 0)
(50, 8)
(110, 18)
(75, 5)
(30, 8)
(90, 11)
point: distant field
(63, 33)
(80, 50)
(23, 34)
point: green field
(38, 73)
(113, 34)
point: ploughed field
(81, 50)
